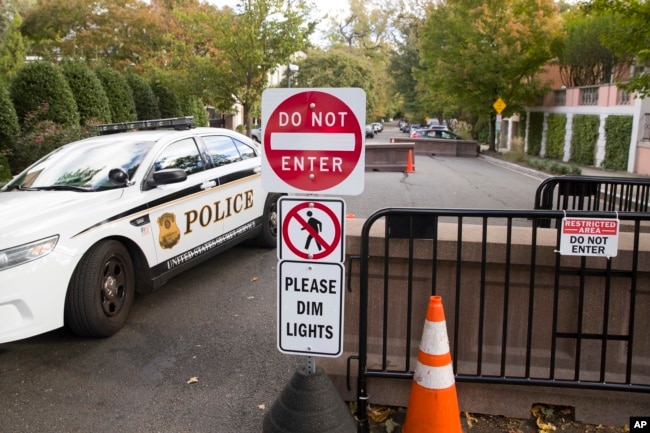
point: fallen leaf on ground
(545, 427)
(193, 380)
(379, 413)
(261, 406)
(470, 419)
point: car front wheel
(268, 237)
(101, 291)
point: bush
(5, 171)
(9, 128)
(555, 136)
(42, 137)
(618, 130)
(583, 138)
(118, 92)
(167, 100)
(146, 104)
(192, 106)
(88, 92)
(37, 84)
(536, 125)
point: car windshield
(83, 166)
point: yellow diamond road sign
(499, 105)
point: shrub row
(584, 135)
(47, 105)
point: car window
(222, 149)
(182, 154)
(448, 135)
(245, 150)
(86, 164)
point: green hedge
(146, 103)
(555, 136)
(535, 133)
(88, 92)
(618, 133)
(9, 127)
(583, 138)
(40, 92)
(120, 97)
(167, 100)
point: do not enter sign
(314, 140)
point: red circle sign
(313, 141)
(328, 247)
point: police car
(97, 220)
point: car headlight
(15, 256)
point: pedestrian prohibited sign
(311, 229)
(314, 140)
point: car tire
(101, 291)
(268, 238)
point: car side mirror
(165, 177)
(118, 176)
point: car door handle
(207, 184)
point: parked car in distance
(440, 134)
(422, 131)
(377, 127)
(256, 134)
(370, 131)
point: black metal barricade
(594, 193)
(501, 307)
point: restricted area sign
(314, 140)
(589, 237)
(310, 308)
(311, 229)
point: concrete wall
(439, 147)
(609, 408)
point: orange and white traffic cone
(433, 404)
(409, 163)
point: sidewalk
(585, 170)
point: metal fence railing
(593, 193)
(580, 323)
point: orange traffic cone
(433, 404)
(409, 163)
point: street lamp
(291, 68)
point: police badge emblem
(170, 234)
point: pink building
(603, 101)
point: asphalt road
(199, 355)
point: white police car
(97, 220)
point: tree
(252, 42)
(338, 67)
(12, 50)
(629, 39)
(88, 92)
(582, 57)
(475, 51)
(367, 26)
(119, 32)
(404, 59)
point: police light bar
(174, 122)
